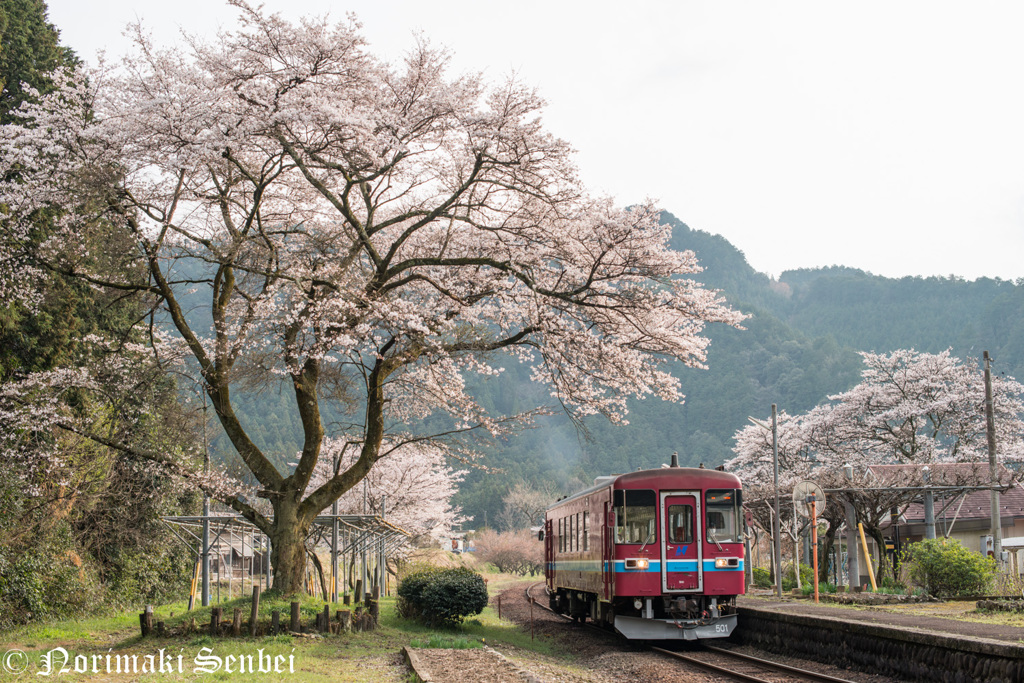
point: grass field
(372, 656)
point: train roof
(661, 478)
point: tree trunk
(288, 550)
(318, 566)
(826, 545)
(876, 535)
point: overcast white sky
(887, 136)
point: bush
(789, 581)
(945, 568)
(410, 591)
(762, 578)
(442, 597)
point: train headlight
(726, 562)
(638, 563)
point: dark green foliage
(410, 591)
(29, 49)
(42, 581)
(789, 579)
(872, 313)
(87, 535)
(442, 597)
(763, 578)
(945, 568)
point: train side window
(572, 533)
(561, 534)
(680, 524)
(578, 546)
(635, 516)
(586, 530)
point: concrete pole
(364, 574)
(990, 430)
(777, 527)
(206, 516)
(383, 549)
(334, 541)
(929, 503)
(852, 552)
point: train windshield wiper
(650, 537)
(714, 537)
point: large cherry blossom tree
(910, 408)
(372, 234)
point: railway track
(734, 665)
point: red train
(658, 554)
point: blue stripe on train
(655, 566)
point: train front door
(680, 547)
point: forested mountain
(800, 345)
(869, 312)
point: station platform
(907, 641)
(941, 618)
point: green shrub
(42, 582)
(892, 586)
(789, 581)
(410, 591)
(762, 578)
(442, 597)
(808, 588)
(945, 568)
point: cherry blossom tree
(515, 551)
(524, 505)
(918, 408)
(370, 234)
(910, 408)
(754, 464)
(410, 485)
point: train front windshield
(635, 516)
(723, 508)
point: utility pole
(205, 558)
(777, 530)
(776, 525)
(334, 538)
(929, 503)
(852, 551)
(990, 431)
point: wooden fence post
(147, 621)
(295, 626)
(254, 616)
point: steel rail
(825, 678)
(765, 663)
(708, 666)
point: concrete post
(852, 552)
(929, 503)
(776, 524)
